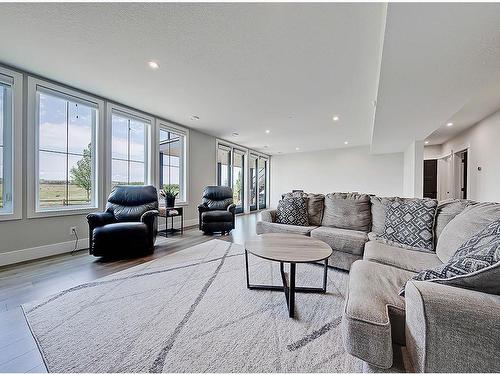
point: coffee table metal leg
(325, 275)
(291, 290)
(246, 268)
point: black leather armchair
(129, 224)
(216, 211)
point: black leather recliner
(216, 211)
(129, 224)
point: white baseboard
(38, 252)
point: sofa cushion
(347, 211)
(475, 265)
(379, 211)
(216, 216)
(410, 223)
(315, 205)
(446, 211)
(292, 211)
(345, 240)
(374, 312)
(266, 227)
(463, 226)
(410, 260)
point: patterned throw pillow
(409, 223)
(292, 211)
(475, 265)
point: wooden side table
(171, 212)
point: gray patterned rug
(190, 311)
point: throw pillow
(475, 265)
(463, 226)
(292, 211)
(315, 205)
(347, 211)
(379, 212)
(409, 223)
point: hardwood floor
(37, 279)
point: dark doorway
(463, 172)
(430, 179)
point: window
(63, 128)
(238, 179)
(223, 165)
(253, 181)
(11, 84)
(172, 161)
(129, 149)
(5, 146)
(262, 182)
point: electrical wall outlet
(72, 231)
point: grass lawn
(55, 195)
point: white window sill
(10, 216)
(63, 212)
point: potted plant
(170, 192)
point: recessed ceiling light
(266, 146)
(268, 131)
(194, 118)
(297, 148)
(346, 142)
(153, 64)
(335, 118)
(426, 142)
(235, 134)
(449, 124)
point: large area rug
(190, 311)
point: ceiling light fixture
(335, 118)
(346, 142)
(153, 64)
(194, 118)
(449, 124)
(235, 134)
(266, 146)
(268, 131)
(297, 148)
(426, 142)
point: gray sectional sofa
(444, 328)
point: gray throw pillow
(463, 226)
(379, 211)
(315, 205)
(475, 265)
(347, 211)
(446, 211)
(409, 223)
(292, 211)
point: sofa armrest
(148, 217)
(450, 329)
(231, 208)
(268, 215)
(98, 219)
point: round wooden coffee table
(288, 248)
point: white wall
(433, 152)
(349, 169)
(413, 170)
(484, 152)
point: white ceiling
(436, 57)
(283, 67)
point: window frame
(248, 154)
(133, 114)
(15, 81)
(34, 209)
(181, 131)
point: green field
(55, 195)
